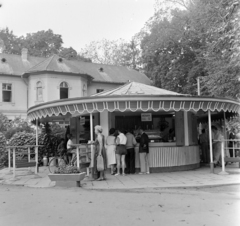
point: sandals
(101, 179)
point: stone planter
(68, 177)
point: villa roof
(56, 64)
(14, 65)
(11, 64)
(135, 88)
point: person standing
(121, 152)
(62, 150)
(99, 151)
(144, 152)
(111, 149)
(130, 156)
(71, 151)
(217, 144)
(237, 142)
(231, 143)
(203, 139)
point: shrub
(3, 154)
(48, 141)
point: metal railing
(13, 149)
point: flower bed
(68, 173)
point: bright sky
(78, 21)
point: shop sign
(146, 117)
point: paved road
(23, 206)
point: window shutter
(179, 128)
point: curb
(159, 188)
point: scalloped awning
(132, 103)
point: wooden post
(14, 162)
(36, 148)
(198, 86)
(9, 159)
(225, 136)
(36, 159)
(29, 168)
(36, 131)
(210, 141)
(29, 154)
(92, 151)
(78, 160)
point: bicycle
(60, 161)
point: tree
(118, 52)
(11, 44)
(5, 124)
(71, 54)
(42, 43)
(18, 125)
(198, 38)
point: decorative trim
(86, 105)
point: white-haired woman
(99, 151)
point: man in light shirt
(130, 157)
(70, 150)
(121, 152)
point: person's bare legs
(118, 157)
(147, 163)
(123, 164)
(102, 176)
(112, 168)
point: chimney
(24, 54)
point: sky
(78, 21)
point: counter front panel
(170, 156)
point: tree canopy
(41, 44)
(113, 52)
(200, 38)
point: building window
(63, 90)
(100, 90)
(84, 90)
(7, 92)
(39, 91)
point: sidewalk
(194, 178)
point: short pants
(121, 150)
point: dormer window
(39, 91)
(64, 90)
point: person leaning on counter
(144, 152)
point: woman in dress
(217, 144)
(99, 151)
(111, 149)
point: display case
(153, 135)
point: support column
(186, 129)
(14, 163)
(36, 132)
(105, 122)
(91, 137)
(36, 148)
(210, 141)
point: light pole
(198, 86)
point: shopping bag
(100, 164)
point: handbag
(100, 164)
